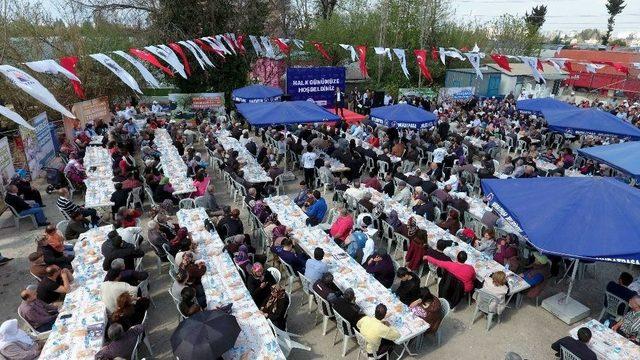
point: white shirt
(356, 193)
(129, 234)
(110, 290)
(156, 108)
(338, 96)
(369, 246)
(308, 160)
(438, 155)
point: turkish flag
(434, 54)
(362, 54)
(148, 57)
(70, 63)
(501, 61)
(240, 43)
(567, 65)
(421, 59)
(321, 50)
(539, 66)
(175, 47)
(284, 48)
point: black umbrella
(205, 335)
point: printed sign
(317, 84)
(456, 93)
(45, 140)
(198, 101)
(93, 110)
(6, 162)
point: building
(607, 80)
(499, 82)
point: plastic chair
(144, 290)
(134, 198)
(275, 273)
(149, 193)
(186, 204)
(61, 226)
(328, 220)
(144, 335)
(325, 309)
(38, 335)
(445, 310)
(400, 241)
(291, 276)
(156, 251)
(344, 328)
(483, 305)
(171, 258)
(64, 213)
(568, 355)
(362, 344)
(200, 202)
(306, 288)
(17, 217)
(285, 342)
(613, 303)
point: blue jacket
(318, 209)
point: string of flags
(172, 59)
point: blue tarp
(589, 122)
(256, 94)
(403, 116)
(538, 105)
(623, 157)
(285, 113)
(590, 218)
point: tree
(536, 19)
(614, 8)
(326, 8)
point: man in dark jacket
(578, 347)
(77, 225)
(116, 248)
(326, 288)
(409, 289)
(346, 307)
(22, 207)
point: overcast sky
(565, 15)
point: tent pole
(576, 263)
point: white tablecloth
(346, 271)
(80, 336)
(98, 166)
(483, 265)
(173, 166)
(223, 285)
(253, 172)
(607, 344)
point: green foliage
(614, 8)
(536, 19)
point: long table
(223, 285)
(99, 183)
(606, 343)
(347, 272)
(172, 164)
(80, 335)
(253, 172)
(366, 145)
(483, 265)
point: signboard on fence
(315, 83)
(6, 162)
(45, 141)
(86, 111)
(197, 101)
(31, 149)
(456, 93)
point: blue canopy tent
(256, 94)
(540, 104)
(584, 218)
(403, 116)
(622, 157)
(285, 113)
(589, 122)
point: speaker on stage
(378, 99)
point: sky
(564, 15)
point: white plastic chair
(38, 335)
(306, 288)
(61, 226)
(613, 303)
(134, 198)
(186, 204)
(344, 328)
(484, 301)
(291, 276)
(17, 217)
(200, 202)
(362, 344)
(324, 309)
(172, 260)
(285, 342)
(446, 309)
(275, 273)
(328, 220)
(568, 355)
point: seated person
(26, 190)
(53, 287)
(378, 335)
(342, 226)
(275, 307)
(119, 198)
(317, 210)
(629, 326)
(302, 195)
(496, 285)
(345, 305)
(380, 265)
(409, 289)
(232, 226)
(487, 244)
(366, 202)
(77, 225)
(128, 312)
(535, 274)
(67, 206)
(314, 268)
(16, 344)
(180, 242)
(424, 207)
(429, 309)
(621, 290)
(287, 254)
(53, 257)
(121, 342)
(127, 217)
(111, 289)
(578, 347)
(188, 303)
(157, 238)
(36, 312)
(461, 271)
(22, 207)
(326, 288)
(37, 266)
(452, 223)
(259, 283)
(130, 276)
(54, 239)
(115, 248)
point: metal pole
(576, 263)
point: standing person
(338, 99)
(308, 160)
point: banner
(146, 74)
(45, 141)
(121, 73)
(198, 101)
(50, 66)
(14, 116)
(315, 83)
(91, 110)
(30, 143)
(6, 162)
(456, 93)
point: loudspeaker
(378, 99)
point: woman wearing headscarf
(242, 260)
(429, 309)
(15, 344)
(395, 223)
(181, 242)
(129, 313)
(164, 191)
(275, 307)
(259, 283)
(452, 224)
(260, 210)
(417, 245)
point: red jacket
(463, 272)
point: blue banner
(315, 83)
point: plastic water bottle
(606, 323)
(506, 266)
